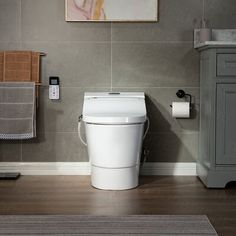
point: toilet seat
(117, 119)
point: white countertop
(215, 43)
(220, 38)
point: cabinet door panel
(226, 124)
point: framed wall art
(111, 10)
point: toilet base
(114, 178)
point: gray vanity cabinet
(216, 165)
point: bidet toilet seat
(114, 128)
(114, 108)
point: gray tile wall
(157, 58)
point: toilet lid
(114, 108)
(114, 119)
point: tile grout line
(103, 42)
(21, 151)
(20, 24)
(203, 9)
(21, 47)
(111, 60)
(120, 87)
(150, 132)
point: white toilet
(114, 125)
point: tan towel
(19, 66)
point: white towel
(17, 110)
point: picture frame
(111, 10)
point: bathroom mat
(106, 225)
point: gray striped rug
(105, 225)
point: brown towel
(19, 66)
(35, 63)
(1, 66)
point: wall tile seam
(152, 42)
(101, 42)
(62, 42)
(9, 42)
(173, 132)
(20, 25)
(203, 9)
(161, 87)
(151, 132)
(160, 162)
(111, 65)
(45, 86)
(21, 150)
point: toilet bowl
(114, 127)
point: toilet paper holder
(181, 94)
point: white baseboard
(83, 168)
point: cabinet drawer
(226, 64)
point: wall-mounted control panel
(54, 89)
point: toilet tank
(114, 108)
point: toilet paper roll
(181, 109)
